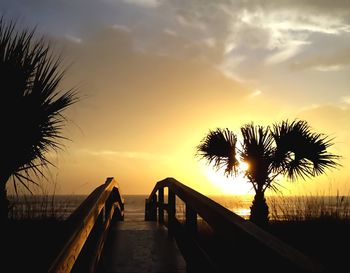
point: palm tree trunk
(259, 211)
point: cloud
(333, 121)
(229, 66)
(74, 39)
(337, 8)
(289, 21)
(144, 3)
(333, 61)
(125, 154)
(136, 101)
(170, 32)
(156, 74)
(255, 93)
(346, 99)
(246, 41)
(325, 115)
(328, 68)
(282, 29)
(288, 32)
(121, 28)
(289, 49)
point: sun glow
(244, 166)
(231, 185)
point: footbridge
(181, 231)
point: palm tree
(31, 109)
(288, 148)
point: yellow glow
(232, 185)
(243, 212)
(148, 101)
(244, 166)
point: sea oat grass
(309, 207)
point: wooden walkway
(102, 239)
(134, 245)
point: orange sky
(155, 76)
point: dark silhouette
(31, 108)
(209, 242)
(287, 148)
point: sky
(155, 76)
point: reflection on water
(237, 204)
(245, 213)
(134, 207)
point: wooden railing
(252, 248)
(88, 226)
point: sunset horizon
(154, 77)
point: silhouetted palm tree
(31, 107)
(288, 148)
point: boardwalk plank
(139, 246)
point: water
(134, 207)
(297, 208)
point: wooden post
(171, 212)
(154, 208)
(191, 220)
(161, 205)
(151, 209)
(147, 210)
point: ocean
(281, 207)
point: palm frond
(219, 149)
(257, 149)
(300, 152)
(32, 103)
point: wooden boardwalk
(105, 240)
(134, 245)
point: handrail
(273, 254)
(95, 212)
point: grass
(322, 240)
(293, 208)
(318, 226)
(35, 232)
(37, 207)
(325, 240)
(30, 245)
(43, 203)
(309, 207)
